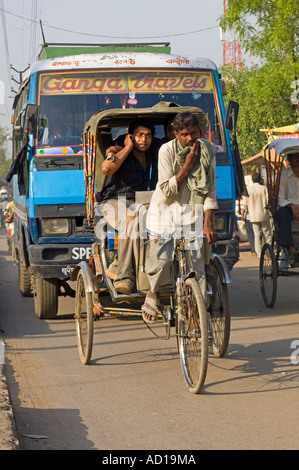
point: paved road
(133, 397)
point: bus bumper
(228, 250)
(56, 260)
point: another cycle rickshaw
(273, 257)
(199, 325)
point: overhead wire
(115, 37)
(6, 52)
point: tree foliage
(268, 29)
(4, 164)
(264, 95)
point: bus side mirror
(17, 133)
(231, 116)
(31, 119)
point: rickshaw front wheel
(192, 335)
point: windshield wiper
(59, 163)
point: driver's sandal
(150, 309)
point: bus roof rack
(53, 50)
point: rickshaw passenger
(288, 202)
(118, 145)
(126, 172)
(186, 171)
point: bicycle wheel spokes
(84, 321)
(219, 314)
(268, 275)
(192, 331)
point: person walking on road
(258, 213)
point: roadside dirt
(8, 438)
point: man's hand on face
(192, 157)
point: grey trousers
(120, 214)
(261, 230)
(159, 264)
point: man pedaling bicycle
(184, 202)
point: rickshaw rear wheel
(268, 274)
(219, 313)
(84, 320)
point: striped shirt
(129, 178)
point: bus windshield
(68, 100)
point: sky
(191, 27)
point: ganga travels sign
(55, 84)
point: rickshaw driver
(288, 202)
(126, 172)
(186, 179)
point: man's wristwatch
(110, 157)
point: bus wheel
(24, 279)
(46, 298)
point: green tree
(4, 164)
(264, 95)
(268, 29)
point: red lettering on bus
(114, 84)
(140, 83)
(200, 83)
(52, 84)
(175, 82)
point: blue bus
(61, 91)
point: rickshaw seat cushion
(143, 197)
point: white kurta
(170, 208)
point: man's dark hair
(183, 120)
(141, 122)
(167, 121)
(256, 178)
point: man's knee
(284, 214)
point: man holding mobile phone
(127, 171)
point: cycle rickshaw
(198, 325)
(273, 259)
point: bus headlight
(54, 227)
